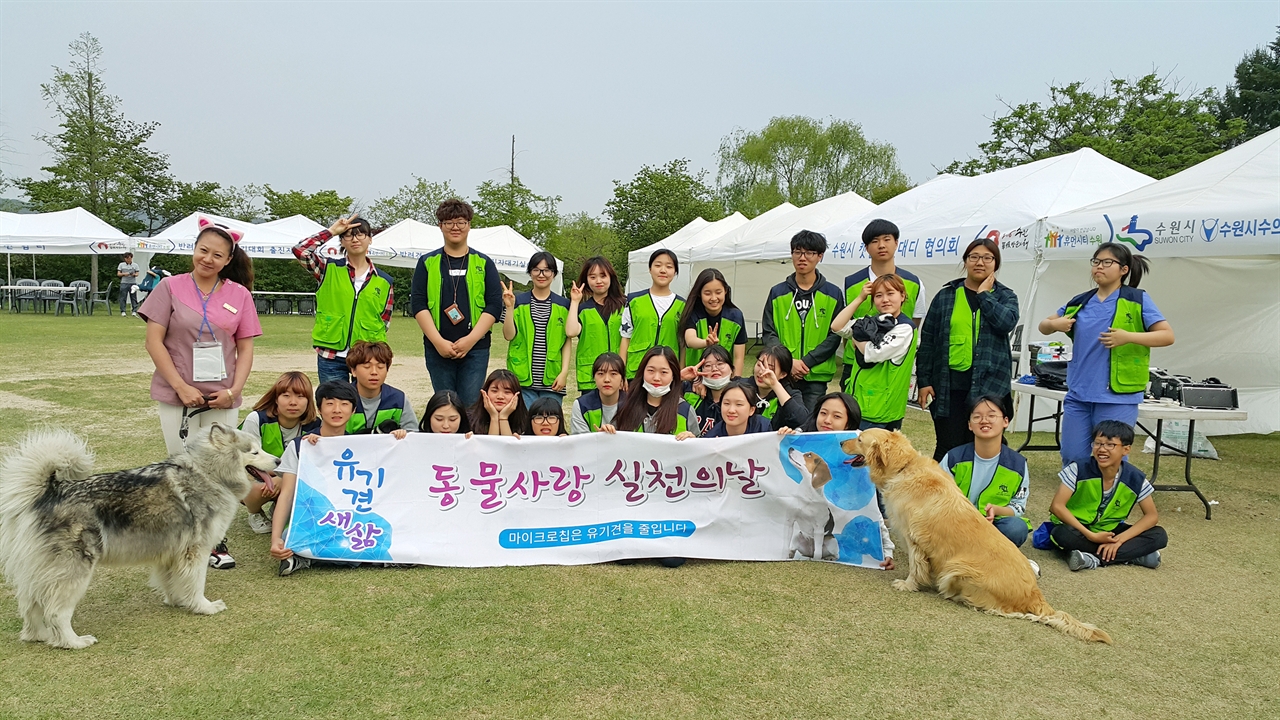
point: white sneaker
(1034, 567)
(121, 314)
(260, 523)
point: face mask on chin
(655, 391)
(716, 383)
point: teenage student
(991, 474)
(445, 414)
(653, 403)
(779, 401)
(534, 324)
(546, 418)
(880, 238)
(704, 393)
(597, 407)
(834, 412)
(500, 409)
(595, 316)
(285, 412)
(1092, 506)
(456, 297)
(381, 405)
(710, 318)
(200, 331)
(798, 316)
(884, 349)
(738, 412)
(1114, 327)
(355, 299)
(651, 318)
(336, 401)
(964, 345)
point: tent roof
(1219, 207)
(1004, 204)
(768, 236)
(689, 236)
(267, 240)
(299, 225)
(74, 231)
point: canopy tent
(299, 226)
(679, 242)
(1212, 233)
(274, 240)
(65, 232)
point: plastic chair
(25, 296)
(102, 297)
(282, 306)
(306, 306)
(70, 299)
(262, 305)
(83, 288)
(49, 296)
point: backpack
(1051, 374)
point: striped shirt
(541, 312)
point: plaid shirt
(992, 356)
(308, 252)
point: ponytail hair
(1138, 265)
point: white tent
(65, 232)
(299, 226)
(680, 242)
(273, 240)
(1212, 233)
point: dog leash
(188, 413)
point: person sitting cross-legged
(992, 475)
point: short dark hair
(439, 400)
(663, 251)
(850, 408)
(128, 254)
(454, 208)
(1114, 430)
(546, 406)
(878, 227)
(1000, 402)
(809, 240)
(987, 243)
(539, 257)
(337, 390)
(781, 356)
(748, 389)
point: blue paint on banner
(318, 529)
(849, 488)
(530, 538)
(860, 536)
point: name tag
(230, 309)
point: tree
(515, 205)
(1147, 124)
(418, 200)
(801, 160)
(579, 237)
(244, 203)
(1255, 96)
(324, 206)
(657, 202)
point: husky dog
(57, 522)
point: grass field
(1197, 638)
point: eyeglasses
(1103, 263)
(545, 419)
(352, 234)
(982, 259)
(542, 271)
(455, 224)
(806, 254)
(1105, 446)
(989, 416)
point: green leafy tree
(243, 203)
(1146, 124)
(417, 200)
(324, 206)
(801, 160)
(579, 237)
(513, 204)
(1255, 96)
(658, 201)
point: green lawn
(1197, 638)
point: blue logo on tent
(1209, 226)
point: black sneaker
(292, 564)
(220, 559)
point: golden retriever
(950, 545)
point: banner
(483, 501)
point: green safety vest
(520, 351)
(476, 265)
(730, 322)
(853, 285)
(1086, 502)
(270, 434)
(1131, 363)
(648, 330)
(965, 323)
(882, 389)
(391, 407)
(592, 408)
(597, 338)
(345, 317)
(1010, 469)
(802, 337)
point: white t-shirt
(250, 425)
(661, 303)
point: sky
(361, 97)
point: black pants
(953, 430)
(810, 392)
(1067, 538)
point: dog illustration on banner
(843, 523)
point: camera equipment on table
(1210, 393)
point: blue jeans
(530, 396)
(1013, 528)
(464, 375)
(333, 369)
(126, 293)
(1079, 419)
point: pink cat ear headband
(204, 223)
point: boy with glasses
(1093, 503)
(354, 301)
(798, 316)
(456, 297)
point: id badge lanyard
(207, 361)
